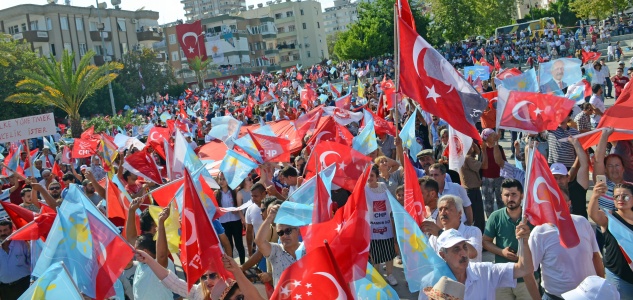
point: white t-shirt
(379, 212)
(598, 104)
(471, 233)
(148, 286)
(254, 217)
(482, 280)
(563, 269)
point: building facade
(200, 9)
(338, 17)
(51, 29)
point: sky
(169, 10)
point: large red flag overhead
(271, 148)
(84, 148)
(155, 139)
(431, 80)
(191, 39)
(200, 249)
(587, 56)
(350, 163)
(308, 121)
(330, 130)
(348, 233)
(413, 200)
(315, 276)
(142, 164)
(382, 126)
(545, 203)
(38, 228)
(534, 112)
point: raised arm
(98, 188)
(593, 210)
(580, 169)
(162, 251)
(261, 239)
(130, 226)
(598, 165)
(246, 286)
(50, 201)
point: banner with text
(28, 127)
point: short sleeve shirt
(280, 260)
(254, 217)
(482, 280)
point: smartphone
(601, 178)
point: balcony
(95, 36)
(149, 36)
(100, 59)
(32, 36)
(286, 34)
(271, 51)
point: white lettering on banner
(84, 152)
(271, 153)
(28, 127)
(195, 262)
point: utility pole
(103, 47)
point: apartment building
(237, 46)
(52, 28)
(200, 9)
(300, 30)
(338, 17)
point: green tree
(559, 10)
(373, 33)
(599, 9)
(62, 85)
(15, 56)
(154, 77)
(200, 67)
(99, 102)
(455, 19)
(491, 14)
(330, 40)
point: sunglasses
(53, 188)
(287, 231)
(209, 276)
(623, 197)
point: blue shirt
(16, 264)
(218, 227)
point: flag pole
(28, 156)
(396, 55)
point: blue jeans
(625, 288)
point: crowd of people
(475, 209)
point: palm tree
(199, 67)
(61, 85)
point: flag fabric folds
(413, 200)
(407, 134)
(55, 283)
(534, 112)
(373, 286)
(235, 168)
(458, 146)
(365, 142)
(623, 235)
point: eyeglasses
(287, 231)
(54, 188)
(209, 276)
(622, 197)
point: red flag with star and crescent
(413, 200)
(507, 73)
(350, 163)
(545, 203)
(314, 276)
(431, 80)
(534, 112)
(191, 42)
(348, 233)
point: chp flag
(190, 41)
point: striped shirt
(561, 152)
(583, 120)
(606, 201)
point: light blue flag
(298, 209)
(147, 128)
(333, 70)
(365, 142)
(576, 92)
(120, 130)
(196, 107)
(165, 116)
(135, 131)
(190, 112)
(622, 234)
(235, 168)
(54, 283)
(36, 248)
(373, 286)
(225, 129)
(246, 142)
(481, 72)
(323, 98)
(525, 82)
(422, 266)
(1, 149)
(407, 134)
(48, 144)
(207, 203)
(558, 74)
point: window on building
(49, 24)
(174, 56)
(278, 16)
(82, 49)
(270, 46)
(318, 25)
(68, 47)
(64, 22)
(123, 48)
(79, 23)
(305, 26)
(281, 30)
(24, 27)
(271, 60)
(182, 54)
(308, 53)
(289, 14)
(120, 24)
(35, 25)
(98, 50)
(53, 50)
(172, 38)
(94, 26)
(291, 28)
(14, 29)
(302, 12)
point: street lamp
(101, 28)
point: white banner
(28, 127)
(215, 49)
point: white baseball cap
(449, 238)
(593, 288)
(558, 169)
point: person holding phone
(608, 169)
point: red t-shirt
(493, 170)
(619, 83)
(15, 196)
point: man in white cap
(564, 268)
(482, 279)
(593, 288)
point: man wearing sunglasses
(280, 256)
(52, 195)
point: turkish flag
(545, 203)
(59, 174)
(382, 126)
(200, 249)
(84, 148)
(307, 96)
(413, 200)
(348, 233)
(89, 134)
(191, 42)
(117, 204)
(388, 90)
(38, 228)
(350, 163)
(315, 276)
(308, 121)
(587, 56)
(344, 102)
(334, 90)
(322, 202)
(271, 148)
(507, 73)
(143, 165)
(534, 112)
(485, 63)
(166, 192)
(19, 215)
(497, 64)
(431, 80)
(156, 137)
(66, 155)
(330, 130)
